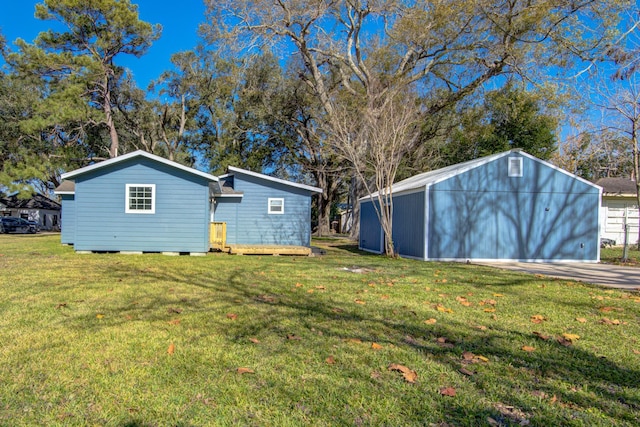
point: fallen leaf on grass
(636, 351)
(293, 337)
(487, 302)
(232, 316)
(443, 309)
(376, 346)
(409, 375)
(430, 321)
(541, 336)
(359, 301)
(482, 358)
(61, 305)
(171, 349)
(490, 310)
(321, 288)
(498, 295)
(607, 321)
(571, 337)
(254, 340)
(384, 297)
(448, 391)
(174, 310)
(581, 320)
(528, 348)
(537, 318)
(299, 285)
(463, 301)
(99, 316)
(245, 371)
(481, 327)
(607, 309)
(174, 322)
(465, 371)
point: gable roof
(617, 186)
(37, 201)
(233, 170)
(66, 187)
(134, 154)
(433, 177)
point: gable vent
(515, 166)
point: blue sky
(179, 20)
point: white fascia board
(270, 178)
(64, 192)
(138, 153)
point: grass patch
(614, 256)
(145, 340)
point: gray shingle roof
(617, 186)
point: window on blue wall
(276, 206)
(515, 166)
(141, 198)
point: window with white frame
(515, 166)
(276, 206)
(141, 198)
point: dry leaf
(537, 318)
(541, 336)
(636, 351)
(443, 309)
(171, 349)
(581, 320)
(299, 285)
(482, 358)
(528, 349)
(384, 297)
(359, 301)
(487, 302)
(467, 355)
(430, 321)
(61, 305)
(321, 288)
(490, 310)
(293, 337)
(498, 295)
(409, 375)
(174, 310)
(174, 322)
(254, 340)
(465, 371)
(330, 360)
(481, 327)
(99, 316)
(376, 346)
(448, 391)
(571, 337)
(310, 291)
(232, 316)
(245, 371)
(565, 342)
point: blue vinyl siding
(485, 214)
(370, 229)
(247, 218)
(408, 224)
(179, 224)
(68, 219)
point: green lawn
(152, 340)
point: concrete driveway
(614, 276)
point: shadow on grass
(577, 378)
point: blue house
(262, 210)
(139, 202)
(508, 206)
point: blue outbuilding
(140, 202)
(505, 207)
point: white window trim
(273, 199)
(519, 160)
(139, 211)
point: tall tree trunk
(108, 113)
(636, 169)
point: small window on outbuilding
(276, 206)
(515, 166)
(141, 198)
